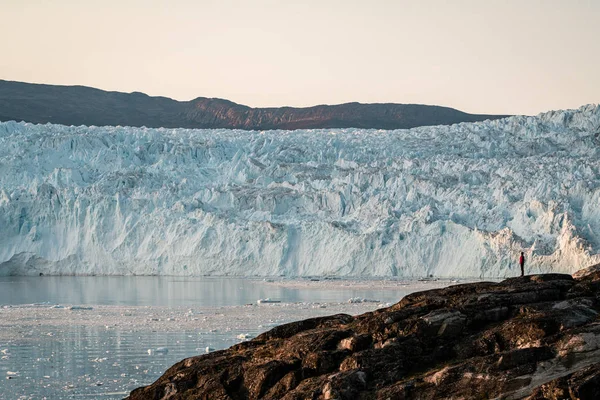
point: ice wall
(459, 200)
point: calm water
(169, 291)
(75, 361)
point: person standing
(522, 263)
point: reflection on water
(96, 363)
(167, 291)
(38, 360)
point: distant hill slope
(80, 105)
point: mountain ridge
(84, 105)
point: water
(80, 362)
(103, 352)
(172, 291)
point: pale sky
(480, 56)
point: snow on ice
(449, 201)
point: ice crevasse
(448, 201)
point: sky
(492, 56)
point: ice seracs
(447, 201)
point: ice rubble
(458, 200)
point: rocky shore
(534, 337)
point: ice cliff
(460, 200)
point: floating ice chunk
(11, 374)
(361, 300)
(244, 336)
(158, 350)
(269, 325)
(267, 301)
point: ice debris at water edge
(458, 200)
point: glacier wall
(458, 201)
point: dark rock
(521, 357)
(356, 343)
(536, 336)
(583, 384)
(293, 328)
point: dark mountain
(80, 105)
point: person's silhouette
(522, 263)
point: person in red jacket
(522, 263)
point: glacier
(446, 201)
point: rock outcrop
(535, 337)
(80, 105)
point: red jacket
(521, 260)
